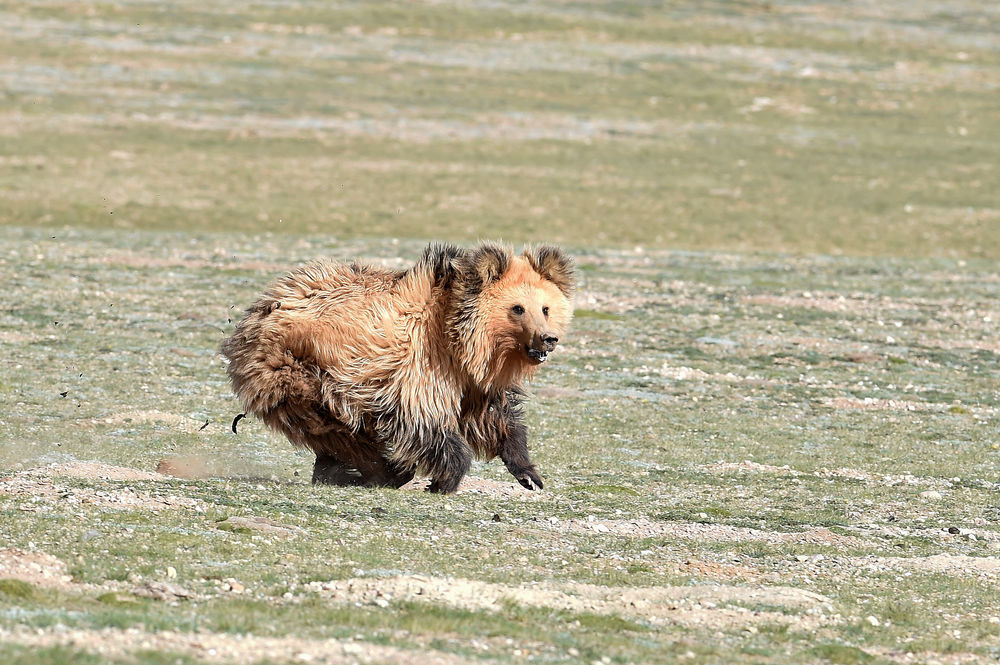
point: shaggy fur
(384, 374)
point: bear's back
(349, 319)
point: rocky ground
(763, 457)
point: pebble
(931, 495)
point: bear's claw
(530, 480)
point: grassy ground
(771, 436)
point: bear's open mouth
(536, 355)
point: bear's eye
(545, 312)
(517, 309)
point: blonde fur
(394, 372)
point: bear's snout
(540, 346)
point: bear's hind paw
(435, 487)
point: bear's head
(510, 311)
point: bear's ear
(486, 264)
(551, 263)
(441, 260)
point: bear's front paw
(529, 479)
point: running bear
(385, 374)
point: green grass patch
(17, 589)
(842, 654)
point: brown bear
(388, 373)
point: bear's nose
(550, 340)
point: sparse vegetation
(770, 436)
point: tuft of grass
(116, 599)
(842, 654)
(14, 588)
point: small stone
(496, 517)
(931, 495)
(954, 530)
(171, 573)
(873, 621)
(162, 591)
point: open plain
(771, 436)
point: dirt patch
(163, 591)
(190, 467)
(131, 259)
(219, 648)
(717, 571)
(886, 479)
(646, 528)
(42, 495)
(93, 470)
(875, 404)
(747, 466)
(950, 564)
(154, 417)
(824, 302)
(34, 567)
(697, 375)
(10, 337)
(485, 486)
(262, 525)
(924, 657)
(715, 606)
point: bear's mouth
(536, 355)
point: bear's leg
(379, 472)
(513, 450)
(328, 470)
(451, 459)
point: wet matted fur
(388, 373)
